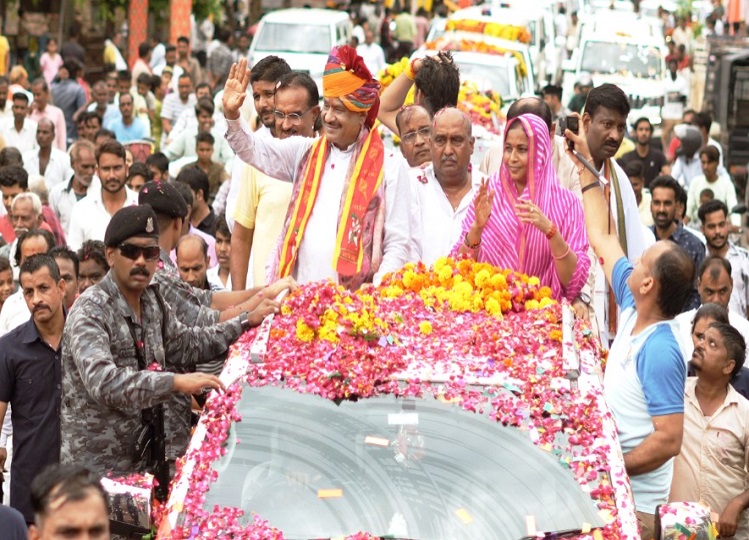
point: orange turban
(347, 78)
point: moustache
(611, 144)
(139, 271)
(41, 307)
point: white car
(302, 37)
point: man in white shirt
(63, 196)
(347, 167)
(90, 216)
(175, 103)
(47, 161)
(188, 118)
(714, 218)
(443, 190)
(19, 130)
(183, 144)
(372, 54)
(715, 285)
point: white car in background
(303, 37)
(628, 53)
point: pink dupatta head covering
(507, 242)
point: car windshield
(308, 38)
(641, 61)
(496, 77)
(408, 468)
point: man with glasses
(121, 346)
(415, 130)
(348, 220)
(443, 190)
(90, 216)
(261, 207)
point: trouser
(647, 525)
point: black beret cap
(163, 198)
(131, 221)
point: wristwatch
(584, 298)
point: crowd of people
(145, 227)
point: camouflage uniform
(103, 390)
(194, 308)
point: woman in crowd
(92, 264)
(523, 220)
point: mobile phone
(573, 124)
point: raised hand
(528, 212)
(235, 89)
(482, 205)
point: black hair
(297, 79)
(68, 482)
(144, 78)
(269, 69)
(110, 147)
(170, 47)
(203, 85)
(63, 252)
(531, 105)
(709, 207)
(183, 39)
(711, 153)
(707, 192)
(438, 80)
(641, 120)
(33, 233)
(159, 161)
(40, 81)
(124, 75)
(4, 264)
(21, 96)
(205, 137)
(553, 90)
(204, 105)
(10, 155)
(143, 49)
(197, 179)
(715, 264)
(12, 175)
(674, 271)
(734, 343)
(667, 182)
(634, 169)
(139, 169)
(108, 133)
(186, 192)
(608, 96)
(703, 120)
(710, 310)
(37, 262)
(96, 250)
(222, 227)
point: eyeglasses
(294, 118)
(133, 252)
(455, 141)
(425, 132)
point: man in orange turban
(348, 219)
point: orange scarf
(363, 186)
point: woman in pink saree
(522, 219)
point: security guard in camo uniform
(194, 306)
(119, 343)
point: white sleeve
(74, 234)
(397, 221)
(7, 429)
(276, 158)
(636, 241)
(233, 197)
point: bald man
(47, 161)
(443, 190)
(192, 261)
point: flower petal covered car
(458, 402)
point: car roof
(313, 16)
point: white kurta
(280, 159)
(438, 225)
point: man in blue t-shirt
(645, 372)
